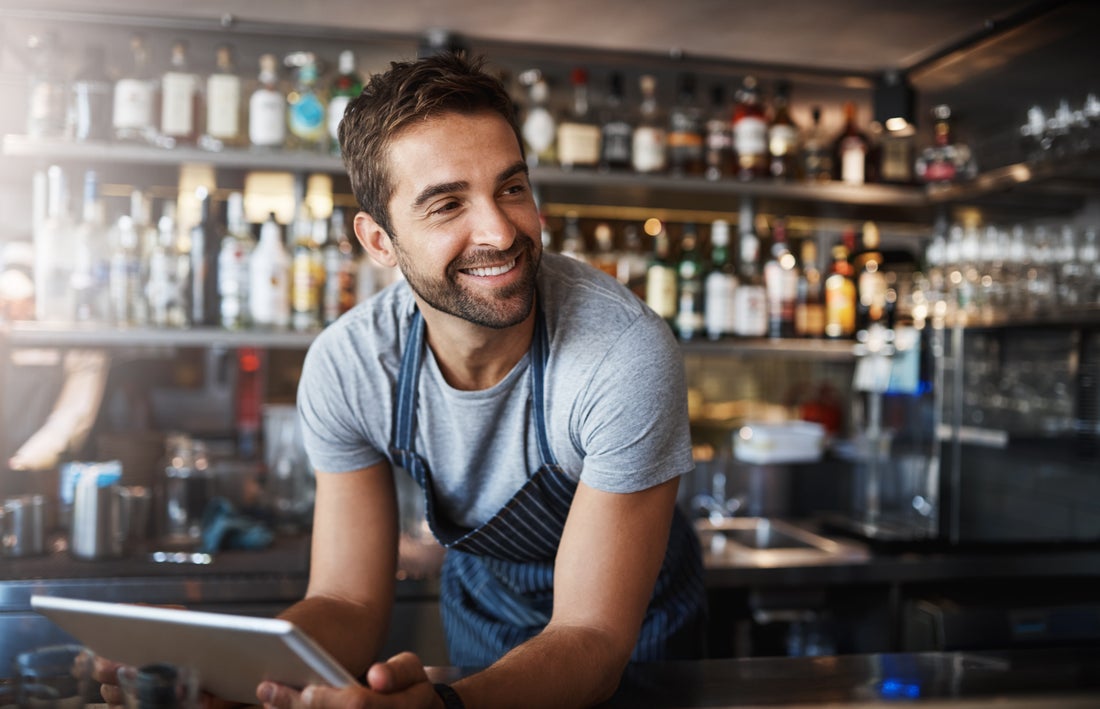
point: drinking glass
(54, 677)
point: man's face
(464, 222)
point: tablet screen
(232, 653)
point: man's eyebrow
(437, 189)
(432, 191)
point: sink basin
(761, 541)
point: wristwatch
(450, 697)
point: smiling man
(539, 405)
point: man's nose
(492, 226)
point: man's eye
(517, 188)
(445, 207)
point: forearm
(353, 633)
(564, 666)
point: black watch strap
(450, 697)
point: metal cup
(23, 526)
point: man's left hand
(398, 683)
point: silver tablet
(232, 653)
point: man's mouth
(486, 271)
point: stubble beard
(503, 308)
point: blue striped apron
(497, 585)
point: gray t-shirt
(614, 386)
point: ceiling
(860, 36)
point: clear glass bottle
(267, 111)
(719, 158)
(345, 86)
(578, 133)
(750, 132)
(871, 286)
(605, 258)
(90, 113)
(233, 256)
(783, 136)
(53, 263)
(306, 104)
(47, 90)
(269, 278)
(817, 159)
(572, 239)
(180, 101)
(133, 117)
(340, 270)
(91, 257)
(649, 147)
(539, 128)
(780, 283)
(686, 130)
(750, 302)
(632, 264)
(720, 285)
(167, 274)
(616, 131)
(224, 107)
(127, 306)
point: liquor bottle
(305, 286)
(306, 122)
(719, 157)
(90, 114)
(616, 132)
(539, 128)
(840, 291)
(572, 241)
(817, 156)
(750, 132)
(945, 161)
(133, 117)
(206, 241)
(340, 269)
(606, 259)
(269, 278)
(162, 287)
(267, 108)
(91, 257)
(871, 286)
(781, 284)
(47, 92)
(850, 150)
(690, 322)
(578, 133)
(53, 261)
(660, 277)
(346, 86)
(750, 300)
(233, 265)
(632, 263)
(685, 131)
(650, 141)
(783, 136)
(127, 240)
(180, 100)
(223, 104)
(896, 164)
(809, 308)
(720, 285)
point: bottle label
(223, 106)
(267, 118)
(782, 139)
(852, 160)
(617, 136)
(750, 307)
(306, 118)
(660, 291)
(649, 149)
(336, 107)
(177, 108)
(538, 130)
(578, 144)
(133, 105)
(719, 306)
(750, 136)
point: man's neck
(472, 357)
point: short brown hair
(406, 93)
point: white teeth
(492, 270)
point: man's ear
(376, 242)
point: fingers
(397, 673)
(278, 696)
(105, 672)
